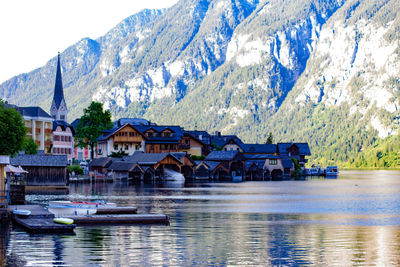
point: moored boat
(60, 208)
(21, 213)
(63, 220)
(331, 171)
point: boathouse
(43, 170)
(99, 166)
(231, 160)
(187, 168)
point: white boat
(77, 208)
(331, 171)
(171, 175)
(21, 213)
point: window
(115, 146)
(99, 152)
(126, 147)
(62, 117)
(62, 138)
(273, 162)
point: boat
(77, 208)
(331, 171)
(171, 175)
(63, 220)
(22, 213)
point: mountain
(325, 72)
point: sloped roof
(101, 162)
(33, 112)
(212, 164)
(133, 121)
(64, 125)
(109, 132)
(221, 155)
(221, 140)
(259, 148)
(58, 87)
(147, 158)
(257, 156)
(121, 166)
(304, 149)
(258, 163)
(202, 136)
(40, 160)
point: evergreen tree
(270, 139)
(91, 126)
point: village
(147, 151)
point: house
(156, 161)
(81, 153)
(226, 142)
(232, 160)
(99, 166)
(192, 145)
(211, 169)
(63, 139)
(187, 168)
(43, 170)
(161, 139)
(123, 169)
(126, 138)
(39, 125)
(295, 150)
(252, 149)
(274, 168)
(254, 169)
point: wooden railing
(48, 131)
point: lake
(350, 221)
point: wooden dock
(122, 219)
(40, 220)
(43, 225)
(116, 210)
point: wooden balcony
(184, 146)
(38, 130)
(48, 131)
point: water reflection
(351, 221)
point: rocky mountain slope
(326, 72)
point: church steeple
(58, 108)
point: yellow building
(40, 126)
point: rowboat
(21, 213)
(63, 220)
(63, 207)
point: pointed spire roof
(58, 88)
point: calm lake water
(350, 221)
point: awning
(12, 169)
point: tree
(270, 139)
(119, 154)
(30, 146)
(12, 130)
(91, 126)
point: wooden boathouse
(43, 170)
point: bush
(75, 168)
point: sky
(33, 31)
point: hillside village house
(40, 126)
(192, 145)
(125, 138)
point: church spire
(58, 88)
(58, 107)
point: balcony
(184, 146)
(38, 130)
(48, 131)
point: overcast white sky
(33, 31)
